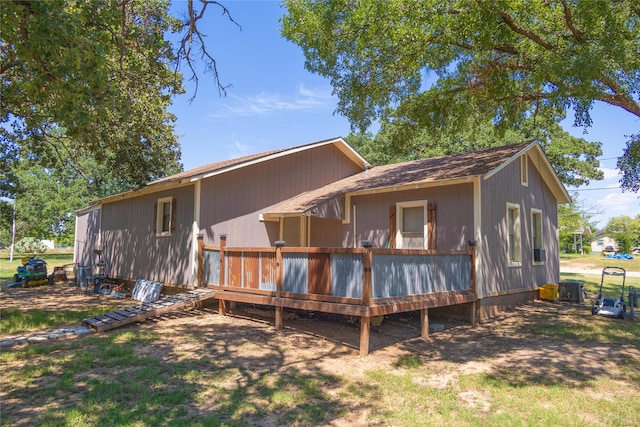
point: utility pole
(13, 231)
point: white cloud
(610, 173)
(620, 204)
(264, 103)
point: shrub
(30, 245)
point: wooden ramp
(143, 311)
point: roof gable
(437, 169)
(211, 169)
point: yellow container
(549, 292)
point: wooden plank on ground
(125, 313)
(104, 319)
(115, 316)
(134, 310)
(93, 322)
(143, 311)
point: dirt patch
(60, 296)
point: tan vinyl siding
(501, 189)
(454, 212)
(133, 250)
(87, 237)
(232, 202)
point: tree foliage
(626, 231)
(451, 67)
(573, 218)
(97, 78)
(95, 73)
(86, 86)
(574, 159)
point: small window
(513, 230)
(411, 225)
(539, 255)
(165, 216)
(524, 170)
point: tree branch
(193, 34)
(569, 20)
(619, 98)
(506, 18)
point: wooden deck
(142, 311)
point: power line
(595, 189)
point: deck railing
(337, 274)
(363, 282)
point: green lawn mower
(32, 272)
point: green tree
(572, 218)
(96, 77)
(626, 231)
(47, 197)
(452, 66)
(574, 159)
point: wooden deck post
(365, 327)
(365, 321)
(366, 273)
(222, 309)
(200, 260)
(472, 252)
(279, 324)
(424, 323)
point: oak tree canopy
(454, 66)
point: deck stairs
(143, 311)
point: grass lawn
(612, 285)
(566, 369)
(598, 262)
(541, 364)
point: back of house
(152, 232)
(324, 195)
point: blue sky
(273, 102)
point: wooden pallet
(142, 311)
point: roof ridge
(214, 166)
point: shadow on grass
(134, 377)
(541, 344)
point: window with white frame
(164, 216)
(537, 242)
(514, 250)
(524, 170)
(411, 225)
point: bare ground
(311, 342)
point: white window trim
(534, 212)
(399, 210)
(518, 231)
(524, 170)
(160, 203)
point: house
(600, 241)
(477, 231)
(152, 232)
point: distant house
(324, 202)
(600, 241)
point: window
(513, 231)
(524, 170)
(411, 225)
(539, 255)
(165, 216)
